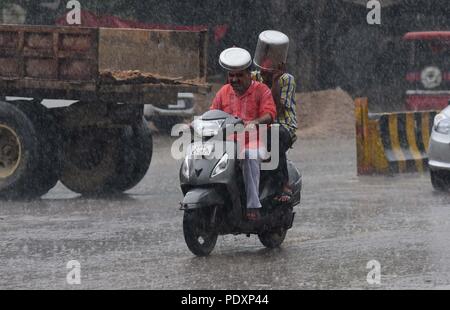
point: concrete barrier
(389, 143)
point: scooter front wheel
(272, 239)
(198, 234)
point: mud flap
(200, 198)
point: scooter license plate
(201, 149)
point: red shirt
(253, 104)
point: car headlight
(221, 166)
(185, 167)
(442, 124)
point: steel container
(271, 50)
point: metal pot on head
(271, 50)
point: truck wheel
(19, 153)
(136, 157)
(46, 173)
(90, 160)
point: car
(166, 116)
(439, 151)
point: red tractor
(428, 76)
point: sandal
(253, 215)
(283, 197)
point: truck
(72, 102)
(428, 75)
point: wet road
(135, 241)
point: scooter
(214, 193)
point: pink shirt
(253, 104)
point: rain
(92, 196)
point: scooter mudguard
(296, 181)
(201, 198)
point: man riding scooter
(252, 102)
(220, 176)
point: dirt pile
(328, 113)
(138, 77)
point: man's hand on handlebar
(251, 124)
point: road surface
(135, 241)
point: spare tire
(431, 77)
(19, 153)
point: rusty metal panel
(76, 69)
(49, 53)
(63, 62)
(8, 67)
(175, 54)
(39, 41)
(76, 42)
(9, 39)
(41, 68)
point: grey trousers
(251, 169)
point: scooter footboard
(200, 198)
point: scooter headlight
(221, 166)
(185, 167)
(442, 124)
(206, 128)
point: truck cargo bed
(83, 63)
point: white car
(439, 151)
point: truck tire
(19, 153)
(46, 173)
(91, 158)
(136, 157)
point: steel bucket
(271, 50)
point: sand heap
(138, 77)
(328, 113)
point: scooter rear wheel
(272, 239)
(198, 234)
